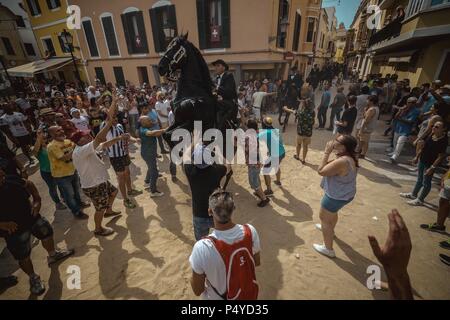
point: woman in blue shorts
(339, 184)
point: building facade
(340, 42)
(417, 46)
(48, 19)
(124, 40)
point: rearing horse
(195, 101)
(183, 62)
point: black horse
(195, 101)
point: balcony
(392, 30)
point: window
(48, 46)
(8, 46)
(120, 78)
(33, 6)
(135, 35)
(283, 22)
(53, 4)
(311, 29)
(29, 49)
(143, 75)
(20, 22)
(110, 35)
(90, 38)
(213, 19)
(100, 75)
(164, 26)
(297, 29)
(64, 48)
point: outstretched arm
(101, 136)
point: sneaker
(135, 193)
(320, 248)
(318, 226)
(433, 227)
(128, 204)
(81, 216)
(445, 259)
(408, 195)
(60, 206)
(59, 255)
(156, 194)
(445, 244)
(37, 286)
(268, 193)
(393, 161)
(263, 203)
(147, 186)
(415, 203)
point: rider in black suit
(226, 94)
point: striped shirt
(119, 149)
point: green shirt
(44, 162)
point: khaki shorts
(303, 140)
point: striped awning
(30, 69)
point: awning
(30, 69)
(395, 57)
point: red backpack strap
(217, 243)
(248, 238)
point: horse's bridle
(180, 54)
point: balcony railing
(392, 30)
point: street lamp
(68, 43)
(169, 32)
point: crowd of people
(70, 132)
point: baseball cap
(73, 110)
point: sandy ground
(148, 257)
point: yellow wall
(47, 15)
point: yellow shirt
(56, 150)
(447, 179)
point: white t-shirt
(91, 95)
(162, 107)
(81, 124)
(15, 124)
(258, 98)
(91, 169)
(205, 259)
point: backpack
(240, 267)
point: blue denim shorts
(254, 177)
(333, 205)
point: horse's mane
(204, 70)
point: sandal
(433, 227)
(104, 232)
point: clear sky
(345, 9)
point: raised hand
(395, 254)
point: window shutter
(142, 33)
(127, 33)
(58, 3)
(110, 36)
(226, 33)
(156, 26)
(30, 7)
(61, 43)
(49, 4)
(173, 18)
(90, 38)
(202, 24)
